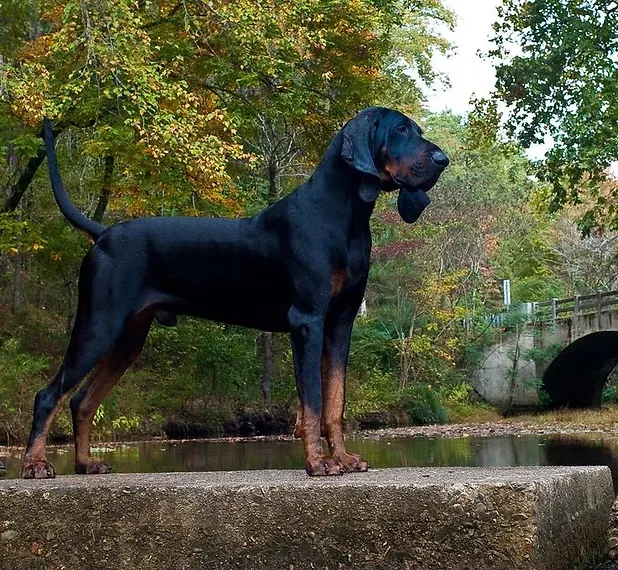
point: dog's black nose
(439, 158)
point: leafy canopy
(557, 69)
(164, 86)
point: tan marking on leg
(103, 379)
(337, 280)
(333, 397)
(105, 376)
(34, 465)
(298, 425)
(333, 393)
(317, 464)
(36, 452)
(310, 426)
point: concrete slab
(543, 518)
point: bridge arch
(577, 376)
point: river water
(233, 455)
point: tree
(193, 107)
(556, 70)
(481, 202)
(159, 88)
(93, 66)
(302, 70)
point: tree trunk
(16, 297)
(17, 281)
(512, 374)
(273, 188)
(105, 189)
(267, 339)
(15, 190)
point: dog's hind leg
(83, 354)
(85, 403)
(105, 306)
(91, 340)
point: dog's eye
(402, 130)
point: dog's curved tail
(68, 209)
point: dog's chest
(353, 270)
(359, 252)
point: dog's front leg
(334, 363)
(307, 338)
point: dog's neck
(339, 183)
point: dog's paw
(322, 467)
(351, 463)
(93, 467)
(40, 469)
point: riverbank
(563, 422)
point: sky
(468, 73)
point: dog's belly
(275, 321)
(250, 295)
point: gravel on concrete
(393, 519)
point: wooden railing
(574, 306)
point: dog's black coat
(300, 266)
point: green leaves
(557, 70)
(166, 108)
(93, 65)
(26, 146)
(16, 235)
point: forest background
(215, 108)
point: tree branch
(15, 191)
(164, 19)
(105, 189)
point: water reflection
(578, 451)
(163, 456)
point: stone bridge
(565, 350)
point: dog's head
(389, 150)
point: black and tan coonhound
(300, 266)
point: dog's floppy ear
(356, 150)
(411, 204)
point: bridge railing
(574, 306)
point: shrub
(370, 390)
(460, 405)
(19, 373)
(423, 405)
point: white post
(506, 290)
(363, 308)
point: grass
(479, 413)
(605, 417)
(466, 413)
